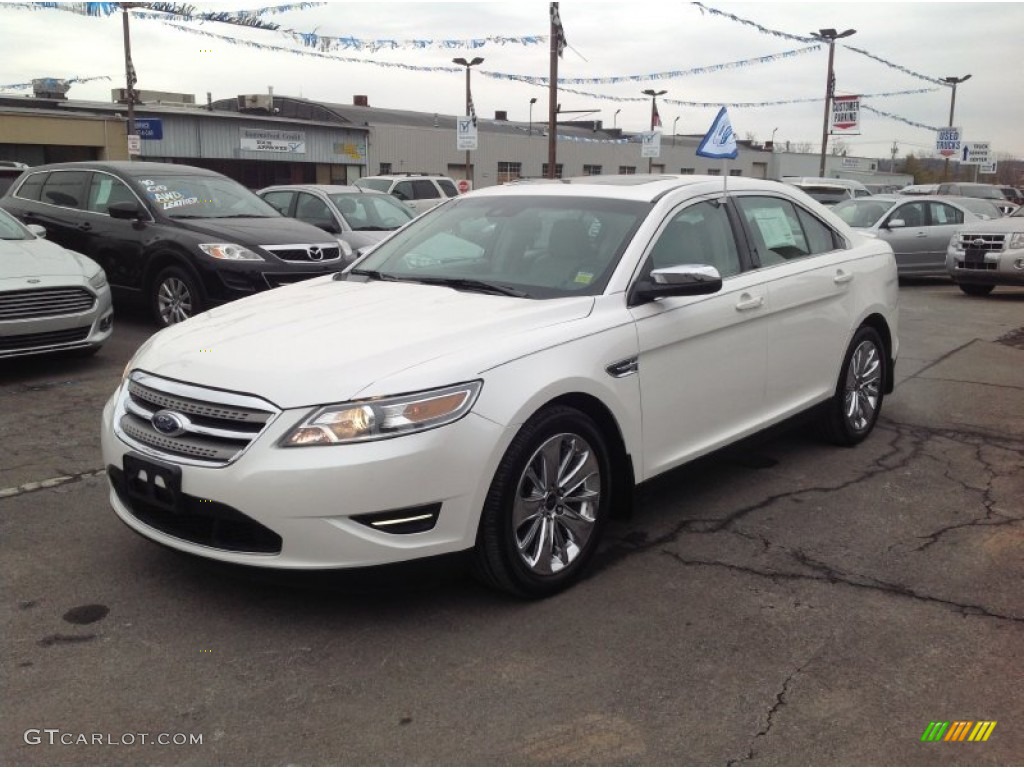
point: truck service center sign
(845, 115)
(948, 141)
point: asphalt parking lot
(783, 603)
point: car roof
(639, 187)
(129, 168)
(328, 189)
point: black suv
(181, 238)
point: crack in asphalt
(780, 702)
(908, 444)
(53, 482)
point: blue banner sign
(149, 128)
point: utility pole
(829, 36)
(954, 82)
(892, 152)
(654, 119)
(556, 37)
(129, 72)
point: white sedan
(51, 299)
(499, 374)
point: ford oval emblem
(169, 423)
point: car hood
(264, 231)
(41, 258)
(1004, 224)
(324, 340)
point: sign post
(466, 135)
(134, 144)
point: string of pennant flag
(776, 33)
(61, 80)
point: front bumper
(61, 333)
(298, 505)
(998, 268)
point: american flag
(655, 117)
(557, 30)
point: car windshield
(861, 213)
(1019, 213)
(979, 207)
(368, 213)
(537, 246)
(11, 228)
(204, 197)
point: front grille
(982, 265)
(982, 243)
(201, 521)
(44, 302)
(214, 426)
(316, 252)
(41, 340)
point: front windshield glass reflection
(541, 246)
(203, 197)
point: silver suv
(420, 191)
(986, 254)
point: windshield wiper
(373, 229)
(468, 284)
(243, 216)
(371, 273)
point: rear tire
(175, 297)
(976, 290)
(547, 507)
(851, 414)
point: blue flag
(719, 141)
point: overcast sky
(935, 39)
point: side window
(105, 190)
(945, 214)
(403, 191)
(447, 187)
(912, 214)
(311, 208)
(777, 232)
(66, 188)
(423, 189)
(32, 186)
(699, 234)
(282, 201)
(820, 238)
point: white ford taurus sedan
(496, 376)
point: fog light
(107, 322)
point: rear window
(66, 188)
(31, 186)
(447, 187)
(381, 185)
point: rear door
(809, 276)
(61, 208)
(116, 244)
(909, 240)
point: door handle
(749, 302)
(842, 277)
(85, 226)
(921, 234)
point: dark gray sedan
(359, 217)
(918, 228)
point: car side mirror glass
(125, 210)
(400, 195)
(682, 280)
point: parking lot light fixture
(953, 82)
(829, 36)
(469, 101)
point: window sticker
(167, 198)
(775, 228)
(103, 193)
(584, 278)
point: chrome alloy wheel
(557, 500)
(174, 301)
(863, 386)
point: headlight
(1016, 240)
(376, 419)
(956, 242)
(98, 280)
(229, 251)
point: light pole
(654, 118)
(773, 138)
(469, 106)
(674, 124)
(532, 102)
(615, 118)
(954, 82)
(829, 36)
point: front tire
(976, 290)
(175, 297)
(547, 507)
(851, 414)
